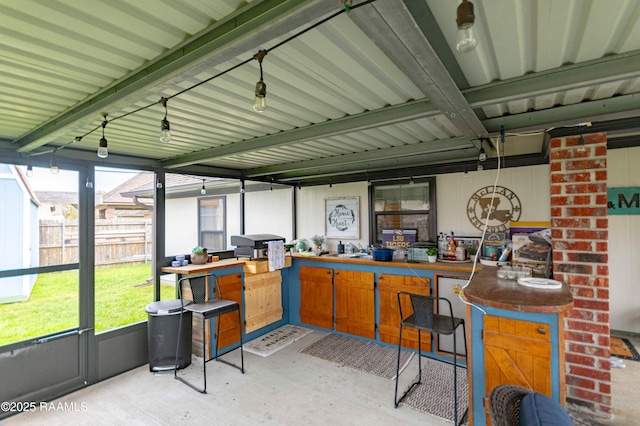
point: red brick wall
(580, 231)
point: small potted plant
(432, 254)
(318, 240)
(199, 255)
(473, 251)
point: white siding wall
(311, 211)
(181, 231)
(531, 185)
(233, 218)
(624, 252)
(269, 212)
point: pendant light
(260, 99)
(29, 170)
(165, 127)
(203, 191)
(103, 152)
(53, 166)
(466, 34)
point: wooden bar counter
(487, 290)
(517, 337)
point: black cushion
(537, 409)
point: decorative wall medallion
(506, 208)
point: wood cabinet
(316, 296)
(389, 286)
(516, 352)
(517, 337)
(355, 303)
(230, 289)
(262, 299)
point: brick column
(580, 231)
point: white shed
(19, 230)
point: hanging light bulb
(466, 34)
(29, 170)
(88, 184)
(53, 166)
(103, 152)
(165, 128)
(203, 191)
(260, 100)
(482, 156)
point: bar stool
(212, 308)
(424, 318)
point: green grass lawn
(121, 296)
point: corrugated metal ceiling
(380, 89)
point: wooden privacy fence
(116, 243)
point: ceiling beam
(443, 145)
(569, 77)
(392, 27)
(331, 170)
(568, 115)
(226, 39)
(367, 120)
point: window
(404, 205)
(39, 280)
(123, 248)
(212, 215)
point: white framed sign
(342, 217)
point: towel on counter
(275, 255)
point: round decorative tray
(540, 283)
(489, 262)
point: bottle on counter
(340, 248)
(441, 249)
(450, 254)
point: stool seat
(208, 308)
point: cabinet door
(231, 289)
(355, 304)
(389, 286)
(316, 296)
(516, 352)
(262, 299)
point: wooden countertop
(487, 290)
(440, 266)
(228, 263)
(194, 269)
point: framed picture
(342, 217)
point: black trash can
(164, 320)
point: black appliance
(254, 246)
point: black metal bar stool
(212, 308)
(424, 318)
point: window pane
(212, 240)
(402, 197)
(39, 229)
(123, 228)
(212, 223)
(407, 221)
(52, 306)
(212, 214)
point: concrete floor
(287, 388)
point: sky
(106, 179)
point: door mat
(623, 348)
(435, 394)
(279, 338)
(359, 354)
